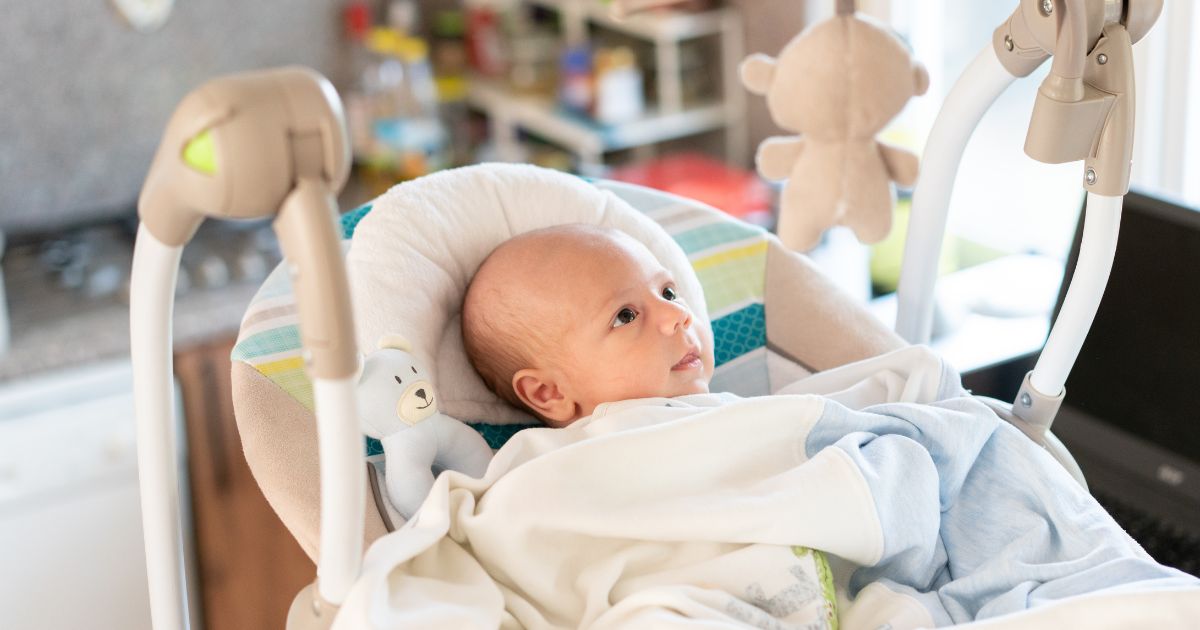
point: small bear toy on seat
(837, 84)
(398, 407)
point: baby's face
(610, 323)
(619, 328)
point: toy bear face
(841, 79)
(394, 392)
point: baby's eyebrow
(606, 305)
(661, 275)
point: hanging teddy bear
(836, 84)
(398, 407)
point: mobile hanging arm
(246, 146)
(1084, 111)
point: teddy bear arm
(408, 456)
(776, 156)
(408, 483)
(902, 164)
(381, 425)
(460, 447)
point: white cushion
(411, 259)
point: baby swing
(273, 143)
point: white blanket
(667, 513)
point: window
(1003, 198)
(1166, 158)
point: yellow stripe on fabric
(735, 281)
(282, 365)
(290, 376)
(754, 249)
(297, 385)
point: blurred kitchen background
(86, 87)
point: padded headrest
(412, 257)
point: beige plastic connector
(309, 611)
(259, 144)
(1036, 409)
(1084, 107)
(308, 233)
(247, 123)
(1029, 36)
(1096, 128)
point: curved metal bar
(155, 268)
(972, 95)
(274, 144)
(1097, 248)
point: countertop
(68, 302)
(72, 337)
(54, 327)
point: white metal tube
(151, 301)
(979, 86)
(1101, 224)
(342, 487)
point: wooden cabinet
(249, 566)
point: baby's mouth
(690, 361)
(427, 404)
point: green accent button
(200, 153)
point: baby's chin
(697, 385)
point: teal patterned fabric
(350, 219)
(738, 333)
(497, 434)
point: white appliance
(71, 553)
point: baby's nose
(421, 393)
(675, 317)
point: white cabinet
(70, 516)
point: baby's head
(563, 319)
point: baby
(946, 511)
(560, 320)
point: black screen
(1139, 369)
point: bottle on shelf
(485, 42)
(533, 53)
(619, 94)
(449, 58)
(405, 137)
(575, 81)
(356, 21)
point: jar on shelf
(619, 94)
(406, 136)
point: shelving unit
(666, 119)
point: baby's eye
(398, 381)
(414, 368)
(668, 293)
(624, 316)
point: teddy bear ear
(757, 72)
(396, 342)
(920, 79)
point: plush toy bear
(398, 407)
(837, 84)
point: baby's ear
(537, 389)
(757, 72)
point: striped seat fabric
(729, 257)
